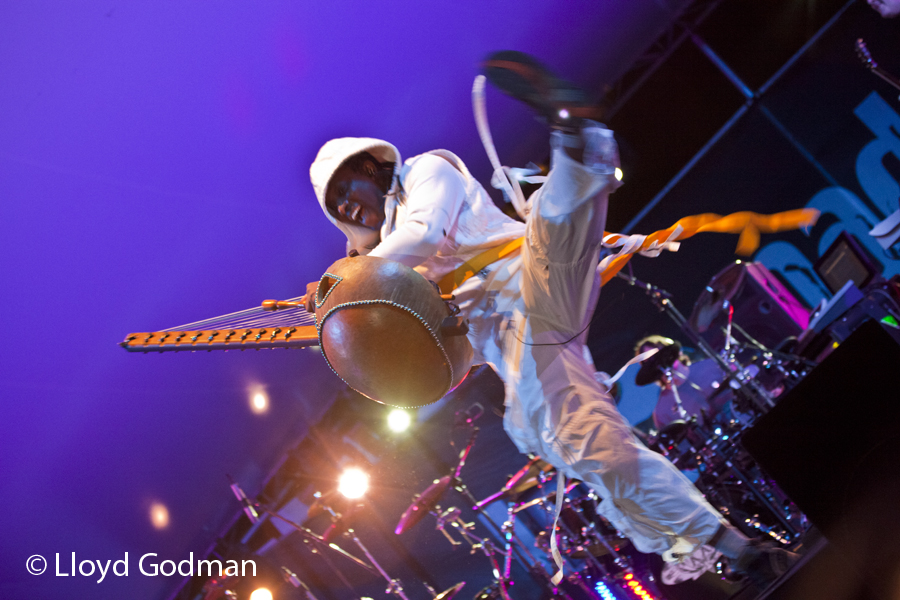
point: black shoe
(763, 562)
(725, 570)
(561, 104)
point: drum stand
(514, 545)
(717, 454)
(506, 531)
(427, 502)
(799, 366)
(452, 519)
(742, 382)
(395, 586)
(623, 569)
(670, 383)
(747, 386)
(320, 544)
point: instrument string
(253, 318)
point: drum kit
(598, 561)
(738, 381)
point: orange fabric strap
(749, 225)
(454, 279)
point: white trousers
(528, 318)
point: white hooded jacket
(437, 215)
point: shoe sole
(520, 76)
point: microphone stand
(521, 552)
(253, 509)
(320, 543)
(394, 585)
(662, 300)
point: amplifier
(878, 303)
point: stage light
(261, 594)
(619, 174)
(159, 515)
(399, 420)
(259, 402)
(353, 483)
(604, 591)
(563, 114)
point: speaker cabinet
(833, 445)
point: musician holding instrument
(529, 308)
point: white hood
(329, 159)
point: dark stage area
(163, 441)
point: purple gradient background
(153, 171)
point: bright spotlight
(619, 174)
(159, 515)
(399, 420)
(353, 483)
(259, 402)
(261, 594)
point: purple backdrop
(153, 162)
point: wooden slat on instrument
(222, 339)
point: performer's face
(886, 8)
(355, 198)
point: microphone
(249, 507)
(469, 416)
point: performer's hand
(309, 300)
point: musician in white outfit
(528, 312)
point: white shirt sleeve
(435, 192)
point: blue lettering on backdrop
(852, 214)
(875, 180)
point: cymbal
(547, 500)
(450, 592)
(675, 431)
(653, 368)
(423, 504)
(721, 289)
(527, 477)
(521, 481)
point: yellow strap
(454, 279)
(748, 224)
